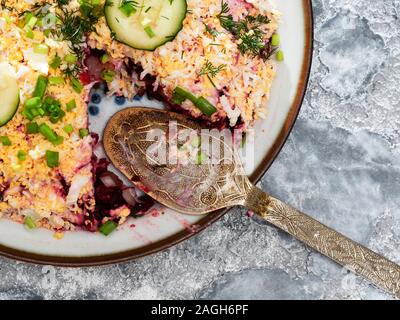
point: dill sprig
(128, 3)
(132, 2)
(211, 71)
(73, 25)
(213, 32)
(247, 31)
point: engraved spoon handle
(355, 257)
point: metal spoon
(133, 144)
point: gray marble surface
(341, 165)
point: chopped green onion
(47, 132)
(34, 112)
(71, 58)
(105, 58)
(52, 108)
(69, 128)
(71, 105)
(195, 142)
(108, 227)
(52, 105)
(178, 99)
(27, 114)
(47, 32)
(76, 85)
(149, 32)
(28, 15)
(5, 141)
(29, 34)
(180, 95)
(21, 155)
(58, 141)
(280, 56)
(32, 127)
(41, 86)
(30, 223)
(7, 18)
(31, 21)
(41, 111)
(56, 62)
(52, 159)
(40, 49)
(205, 106)
(83, 133)
(54, 118)
(56, 80)
(108, 75)
(201, 158)
(33, 102)
(49, 101)
(56, 115)
(50, 19)
(127, 9)
(62, 114)
(275, 40)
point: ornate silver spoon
(151, 146)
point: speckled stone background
(341, 165)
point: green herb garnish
(52, 159)
(108, 227)
(5, 141)
(30, 223)
(128, 7)
(21, 155)
(211, 71)
(213, 32)
(248, 31)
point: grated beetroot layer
(110, 198)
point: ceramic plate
(155, 232)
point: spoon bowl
(159, 152)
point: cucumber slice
(145, 24)
(9, 93)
